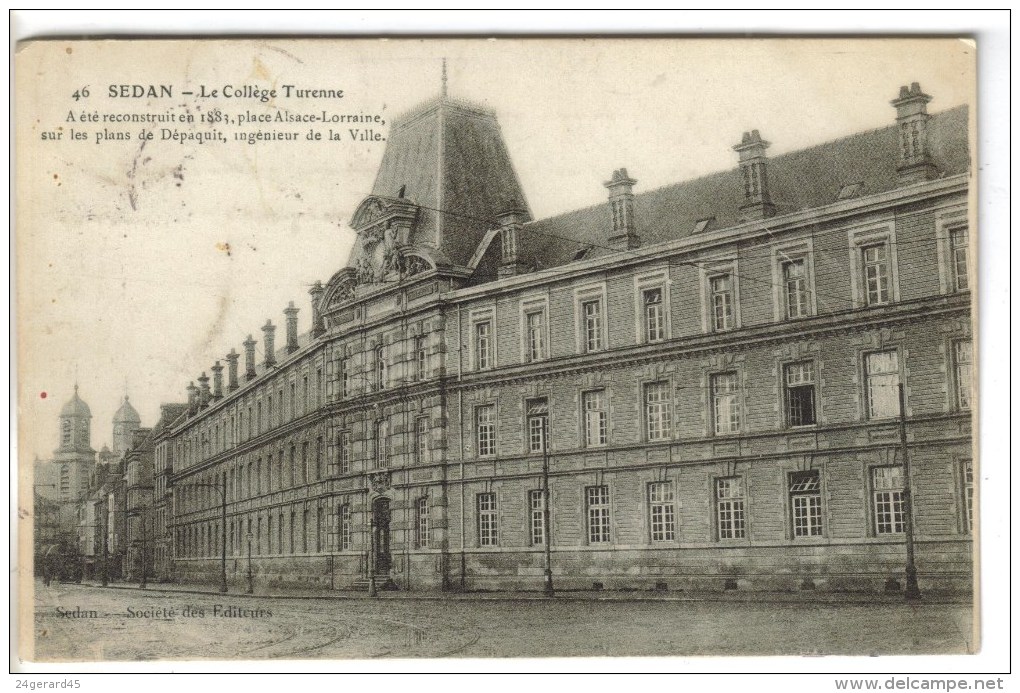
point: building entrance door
(381, 535)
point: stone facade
(708, 403)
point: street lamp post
(545, 509)
(106, 546)
(251, 576)
(142, 584)
(911, 591)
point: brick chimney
(249, 359)
(232, 370)
(291, 313)
(203, 390)
(914, 164)
(318, 328)
(217, 380)
(754, 169)
(621, 203)
(192, 397)
(269, 338)
(511, 221)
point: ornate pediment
(377, 211)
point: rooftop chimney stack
(621, 204)
(249, 359)
(291, 313)
(754, 169)
(217, 379)
(192, 397)
(203, 390)
(511, 221)
(914, 164)
(232, 370)
(269, 332)
(318, 328)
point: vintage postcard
(334, 349)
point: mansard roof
(449, 155)
(800, 180)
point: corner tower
(125, 422)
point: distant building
(691, 387)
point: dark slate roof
(450, 155)
(799, 180)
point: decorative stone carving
(379, 481)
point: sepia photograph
(345, 349)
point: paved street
(77, 622)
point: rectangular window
(485, 425)
(304, 463)
(795, 288)
(592, 313)
(488, 522)
(962, 357)
(318, 457)
(958, 242)
(806, 503)
(658, 411)
(382, 442)
(293, 400)
(345, 377)
(344, 529)
(535, 331)
(304, 531)
(875, 260)
(661, 511)
(887, 490)
(729, 505)
(597, 498)
(422, 524)
(318, 529)
(304, 391)
(967, 487)
(380, 369)
(292, 466)
(654, 315)
(721, 290)
(883, 379)
(536, 506)
(420, 359)
(595, 417)
(421, 439)
(343, 452)
(483, 345)
(800, 393)
(725, 403)
(538, 424)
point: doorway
(381, 535)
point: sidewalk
(756, 597)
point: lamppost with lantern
(251, 576)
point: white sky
(143, 300)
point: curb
(843, 600)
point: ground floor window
(729, 503)
(887, 499)
(662, 511)
(488, 522)
(598, 514)
(806, 503)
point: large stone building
(692, 387)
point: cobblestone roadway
(326, 628)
